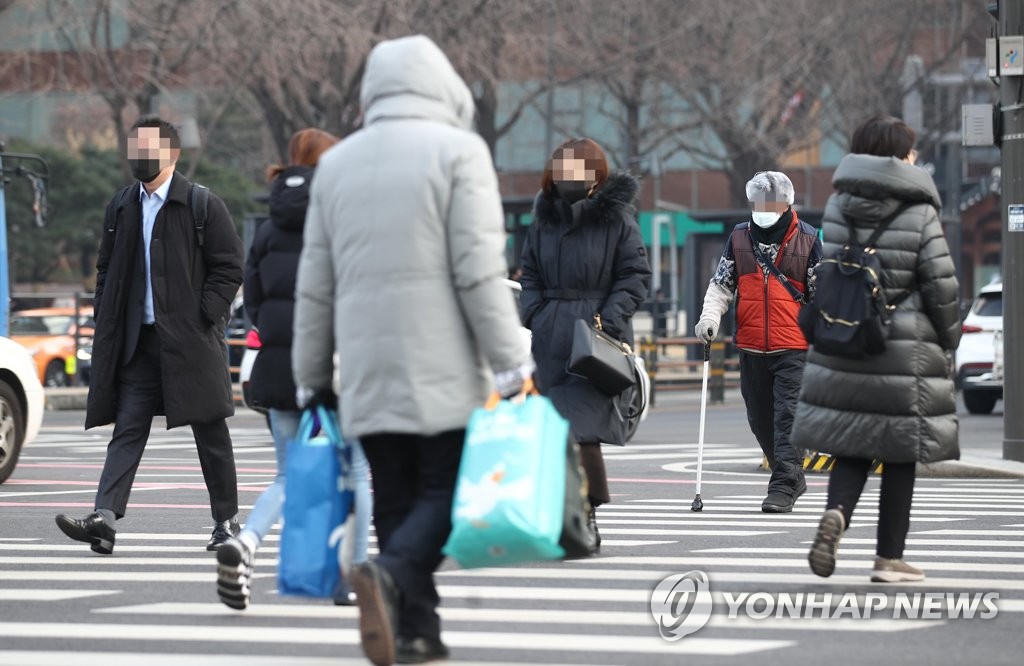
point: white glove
(509, 383)
(707, 329)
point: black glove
(307, 398)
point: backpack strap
(797, 295)
(199, 198)
(882, 226)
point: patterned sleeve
(725, 275)
(812, 262)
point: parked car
(21, 404)
(49, 336)
(252, 348)
(976, 355)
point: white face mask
(764, 219)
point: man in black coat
(169, 265)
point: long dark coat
(269, 288)
(898, 406)
(601, 251)
(192, 293)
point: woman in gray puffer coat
(897, 407)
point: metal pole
(5, 286)
(1011, 22)
(549, 130)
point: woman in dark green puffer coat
(898, 407)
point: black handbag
(605, 361)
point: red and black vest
(766, 313)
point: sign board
(1011, 58)
(1015, 217)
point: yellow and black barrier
(823, 462)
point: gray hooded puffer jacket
(898, 406)
(402, 268)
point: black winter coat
(192, 292)
(269, 288)
(899, 406)
(601, 252)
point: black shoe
(343, 595)
(92, 530)
(378, 600)
(234, 573)
(777, 502)
(801, 488)
(222, 532)
(419, 650)
(593, 526)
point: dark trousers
(592, 462)
(770, 384)
(139, 398)
(413, 487)
(845, 484)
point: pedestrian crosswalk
(154, 602)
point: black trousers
(592, 462)
(845, 484)
(770, 384)
(413, 488)
(139, 397)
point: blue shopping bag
(510, 494)
(319, 500)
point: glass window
(989, 305)
(48, 325)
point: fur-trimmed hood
(615, 198)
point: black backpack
(198, 197)
(848, 315)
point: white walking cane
(698, 505)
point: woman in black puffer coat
(899, 406)
(269, 291)
(583, 255)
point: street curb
(968, 467)
(972, 467)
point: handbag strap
(797, 295)
(873, 238)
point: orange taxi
(49, 336)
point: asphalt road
(153, 602)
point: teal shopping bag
(510, 494)
(318, 500)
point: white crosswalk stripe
(563, 612)
(480, 605)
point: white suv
(982, 385)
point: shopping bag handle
(326, 419)
(529, 388)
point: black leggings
(845, 484)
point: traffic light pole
(1011, 22)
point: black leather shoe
(419, 650)
(222, 532)
(92, 529)
(378, 598)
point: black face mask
(145, 170)
(572, 190)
